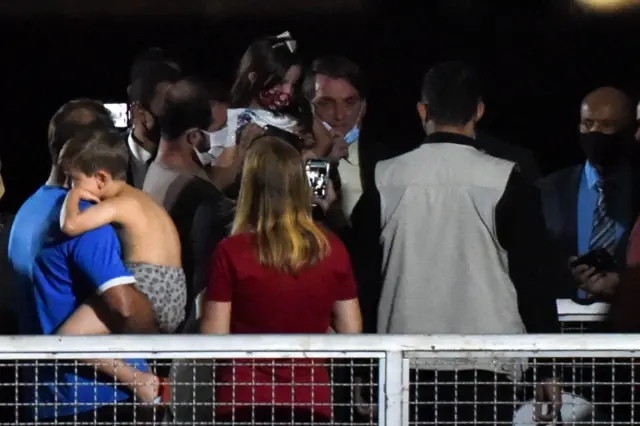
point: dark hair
(73, 117)
(92, 150)
(302, 111)
(217, 91)
(186, 107)
(269, 58)
(144, 88)
(336, 67)
(150, 58)
(452, 91)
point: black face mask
(604, 150)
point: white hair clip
(288, 41)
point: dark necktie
(603, 230)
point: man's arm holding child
(97, 256)
(74, 221)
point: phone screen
(318, 176)
(119, 113)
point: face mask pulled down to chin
(604, 150)
(217, 142)
(351, 136)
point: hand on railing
(548, 393)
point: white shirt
(260, 117)
(139, 159)
(349, 170)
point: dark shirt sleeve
(366, 255)
(346, 288)
(211, 225)
(522, 233)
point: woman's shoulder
(235, 242)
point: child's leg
(86, 321)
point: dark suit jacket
(125, 137)
(559, 192)
(523, 157)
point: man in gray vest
(464, 247)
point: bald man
(590, 206)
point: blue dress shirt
(620, 207)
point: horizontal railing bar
(193, 344)
(192, 354)
(544, 355)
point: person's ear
(252, 77)
(423, 111)
(103, 178)
(138, 113)
(363, 109)
(479, 111)
(193, 137)
(2, 189)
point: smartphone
(291, 138)
(600, 259)
(318, 176)
(119, 113)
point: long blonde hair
(274, 204)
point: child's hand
(83, 194)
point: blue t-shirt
(55, 273)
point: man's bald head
(73, 117)
(606, 110)
(186, 107)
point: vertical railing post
(393, 390)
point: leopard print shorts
(166, 288)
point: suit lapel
(569, 203)
(125, 135)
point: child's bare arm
(75, 222)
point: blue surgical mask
(351, 136)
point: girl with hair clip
(264, 86)
(278, 273)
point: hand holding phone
(600, 259)
(318, 175)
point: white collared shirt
(139, 159)
(349, 170)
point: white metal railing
(394, 353)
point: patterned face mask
(274, 99)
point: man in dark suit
(146, 99)
(523, 157)
(592, 205)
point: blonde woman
(278, 273)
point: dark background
(537, 59)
